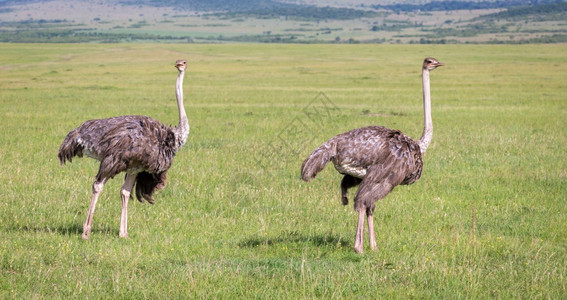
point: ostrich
(138, 145)
(375, 157)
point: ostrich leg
(371, 234)
(97, 189)
(372, 187)
(125, 194)
(359, 239)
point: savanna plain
(486, 220)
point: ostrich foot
(86, 234)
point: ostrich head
(431, 63)
(181, 64)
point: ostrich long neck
(182, 130)
(427, 121)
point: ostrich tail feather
(70, 148)
(316, 161)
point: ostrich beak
(181, 67)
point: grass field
(487, 219)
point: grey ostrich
(375, 157)
(138, 145)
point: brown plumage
(138, 145)
(376, 158)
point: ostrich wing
(128, 143)
(359, 149)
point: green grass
(487, 219)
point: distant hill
(283, 21)
(546, 11)
(279, 7)
(258, 8)
(211, 5)
(461, 5)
